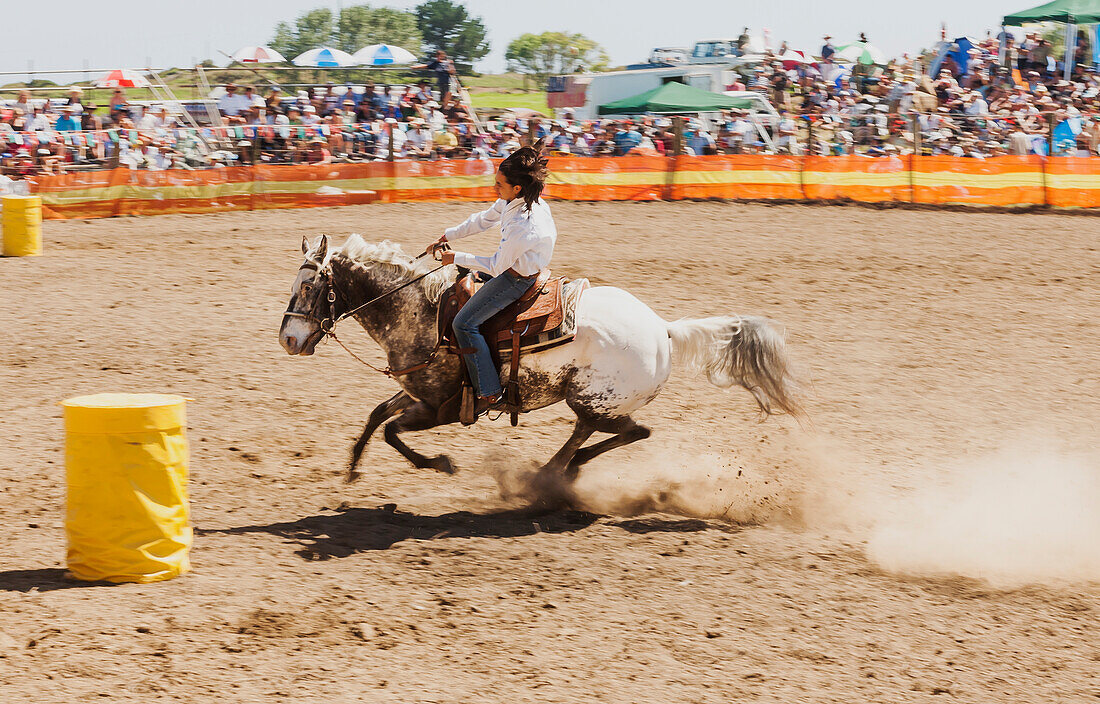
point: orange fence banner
(615, 178)
(1001, 180)
(858, 178)
(1073, 182)
(737, 176)
(995, 181)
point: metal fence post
(914, 124)
(393, 126)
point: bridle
(328, 324)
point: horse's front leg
(383, 412)
(419, 416)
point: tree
(355, 27)
(551, 53)
(361, 25)
(448, 26)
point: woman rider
(526, 245)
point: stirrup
(473, 407)
(485, 404)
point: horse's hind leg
(418, 416)
(626, 431)
(383, 412)
(561, 459)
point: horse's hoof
(352, 476)
(441, 463)
(550, 491)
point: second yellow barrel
(21, 226)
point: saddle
(539, 320)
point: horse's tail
(745, 350)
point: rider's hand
(447, 257)
(437, 244)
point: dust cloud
(684, 483)
(1023, 515)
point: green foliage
(448, 26)
(354, 28)
(552, 53)
(361, 25)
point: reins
(328, 324)
(353, 311)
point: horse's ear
(305, 245)
(322, 248)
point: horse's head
(309, 301)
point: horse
(619, 361)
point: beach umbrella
(383, 54)
(860, 53)
(122, 78)
(324, 57)
(794, 57)
(258, 55)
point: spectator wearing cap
(76, 96)
(250, 99)
(309, 115)
(390, 129)
(350, 96)
(626, 138)
(699, 140)
(443, 68)
(316, 153)
(446, 142)
(231, 104)
(38, 120)
(420, 142)
(155, 118)
(68, 122)
(827, 49)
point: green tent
(674, 98)
(1067, 11)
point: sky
(173, 32)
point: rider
(526, 245)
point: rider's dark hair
(526, 168)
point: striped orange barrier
(612, 178)
(735, 176)
(1000, 181)
(1073, 182)
(1003, 180)
(858, 178)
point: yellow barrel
(126, 468)
(22, 226)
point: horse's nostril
(292, 343)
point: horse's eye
(307, 287)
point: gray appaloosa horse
(619, 361)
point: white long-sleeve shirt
(526, 242)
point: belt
(518, 275)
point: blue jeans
(493, 297)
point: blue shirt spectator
(626, 139)
(67, 123)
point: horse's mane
(390, 256)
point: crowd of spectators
(1010, 100)
(1014, 101)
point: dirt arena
(722, 560)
